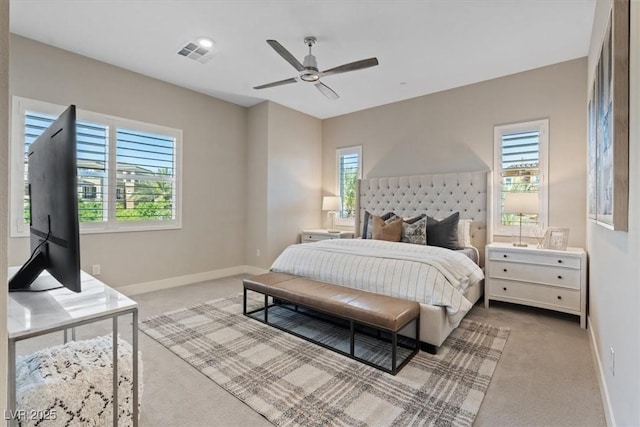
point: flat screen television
(53, 195)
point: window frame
(16, 185)
(354, 149)
(541, 126)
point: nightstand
(545, 278)
(323, 234)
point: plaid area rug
(293, 382)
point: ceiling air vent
(196, 52)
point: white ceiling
(423, 46)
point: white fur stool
(72, 384)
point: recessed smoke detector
(200, 51)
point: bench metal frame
(395, 367)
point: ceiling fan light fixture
(310, 76)
(310, 72)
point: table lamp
(521, 204)
(331, 204)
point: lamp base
(520, 243)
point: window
(145, 169)
(349, 170)
(88, 191)
(520, 165)
(127, 171)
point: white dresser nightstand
(545, 278)
(323, 234)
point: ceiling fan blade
(326, 91)
(278, 83)
(286, 55)
(352, 66)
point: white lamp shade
(521, 203)
(330, 203)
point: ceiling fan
(309, 68)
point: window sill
(120, 229)
(345, 224)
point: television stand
(32, 314)
(43, 283)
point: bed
(443, 305)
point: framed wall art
(556, 238)
(608, 127)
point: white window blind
(349, 166)
(520, 165)
(128, 172)
(92, 160)
(145, 176)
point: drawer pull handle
(504, 269)
(504, 289)
(559, 261)
(559, 277)
(559, 297)
(505, 255)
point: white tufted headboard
(437, 195)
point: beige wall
(4, 163)
(257, 166)
(284, 176)
(295, 176)
(614, 269)
(452, 131)
(214, 160)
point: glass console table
(32, 314)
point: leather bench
(381, 312)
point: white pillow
(464, 233)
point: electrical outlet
(612, 362)
(95, 269)
(257, 252)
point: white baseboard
(173, 282)
(604, 392)
(250, 269)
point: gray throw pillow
(415, 231)
(443, 233)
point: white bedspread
(426, 274)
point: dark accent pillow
(367, 227)
(390, 231)
(414, 219)
(443, 233)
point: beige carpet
(292, 382)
